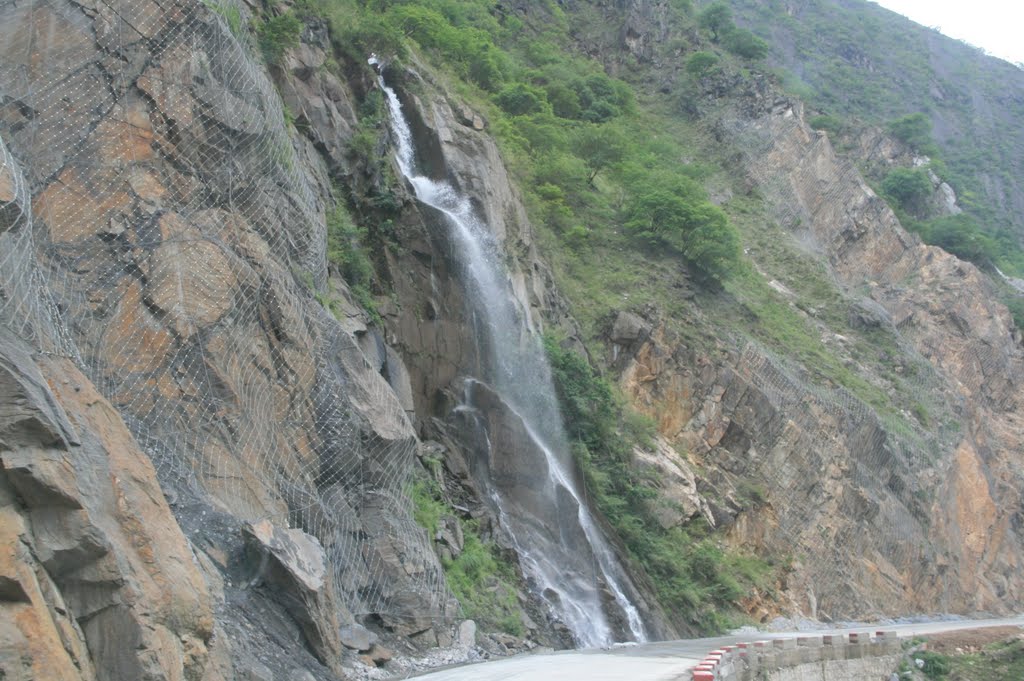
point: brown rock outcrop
(169, 266)
(98, 580)
(948, 312)
(881, 520)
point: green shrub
(712, 248)
(371, 34)
(914, 130)
(232, 16)
(1016, 306)
(521, 99)
(565, 102)
(700, 64)
(450, 31)
(743, 43)
(345, 251)
(961, 236)
(830, 124)
(601, 98)
(936, 665)
(910, 188)
(484, 583)
(277, 35)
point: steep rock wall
(437, 329)
(879, 519)
(948, 313)
(98, 580)
(163, 235)
(166, 236)
(907, 518)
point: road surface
(664, 661)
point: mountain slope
(779, 401)
(857, 60)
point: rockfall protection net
(884, 454)
(885, 481)
(160, 226)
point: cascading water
(567, 560)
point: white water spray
(522, 379)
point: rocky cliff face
(98, 580)
(205, 472)
(878, 520)
(163, 233)
(946, 311)
(878, 511)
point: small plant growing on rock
(232, 17)
(278, 35)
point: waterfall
(567, 560)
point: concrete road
(664, 661)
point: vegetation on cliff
(600, 174)
(582, 149)
(860, 63)
(692, 574)
(618, 174)
(483, 581)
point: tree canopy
(717, 18)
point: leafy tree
(699, 64)
(565, 171)
(909, 187)
(565, 102)
(369, 34)
(672, 210)
(601, 98)
(743, 43)
(520, 99)
(717, 18)
(542, 132)
(713, 248)
(487, 66)
(469, 48)
(600, 146)
(914, 130)
(426, 26)
(961, 236)
(657, 214)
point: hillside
(344, 338)
(865, 64)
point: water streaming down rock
(512, 411)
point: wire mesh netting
(897, 430)
(159, 226)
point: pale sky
(997, 26)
